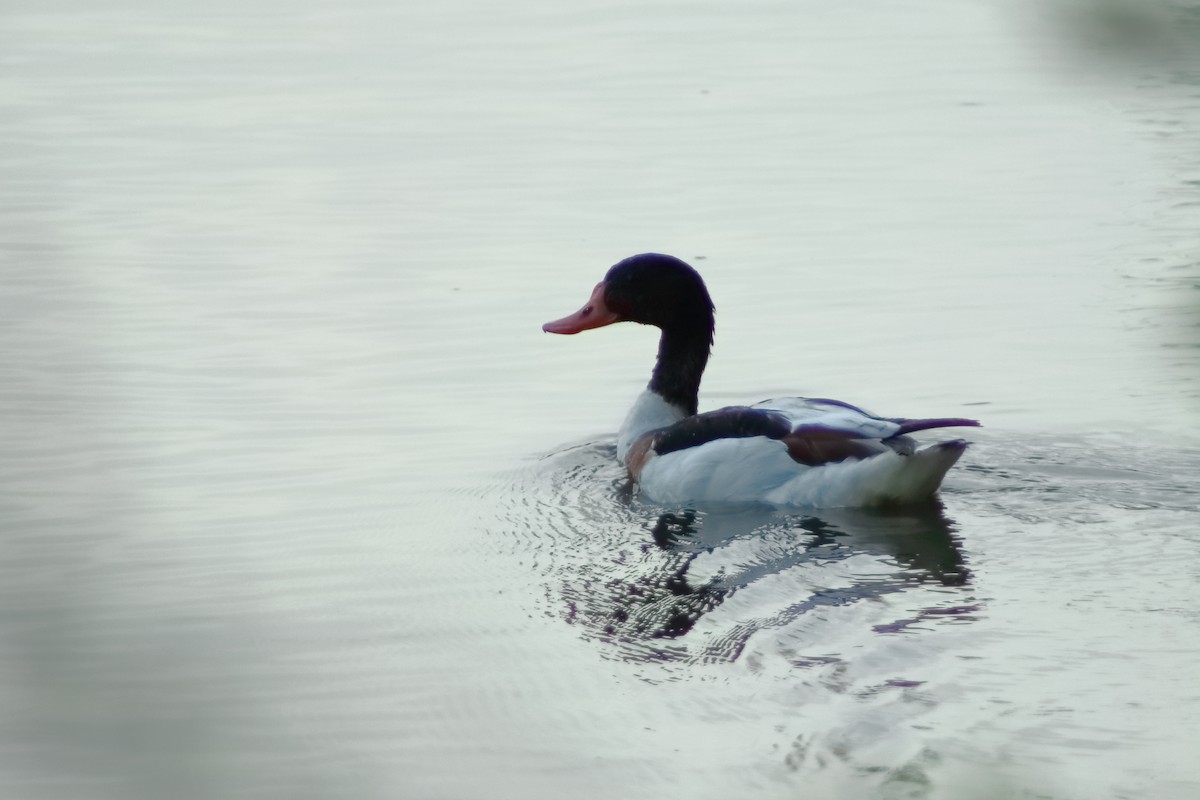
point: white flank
(760, 469)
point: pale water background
(297, 501)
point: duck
(789, 451)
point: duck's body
(789, 451)
(792, 451)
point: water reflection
(650, 602)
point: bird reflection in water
(646, 601)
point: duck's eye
(588, 309)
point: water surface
(299, 502)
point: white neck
(650, 411)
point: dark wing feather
(810, 444)
(733, 422)
(913, 425)
(815, 445)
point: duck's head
(658, 290)
(651, 289)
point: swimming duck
(791, 451)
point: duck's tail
(887, 479)
(921, 476)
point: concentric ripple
(695, 585)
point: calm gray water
(298, 502)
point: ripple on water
(1052, 582)
(675, 585)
